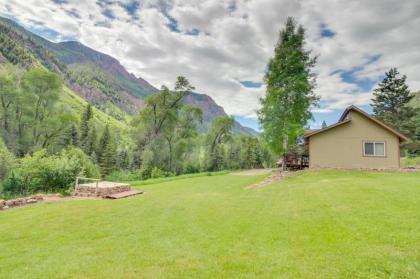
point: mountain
(96, 77)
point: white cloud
(236, 39)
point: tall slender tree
(391, 102)
(289, 95)
(84, 128)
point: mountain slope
(96, 77)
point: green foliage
(391, 102)
(290, 82)
(31, 115)
(7, 161)
(107, 152)
(13, 51)
(85, 125)
(395, 105)
(42, 172)
(220, 132)
(410, 162)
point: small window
(374, 149)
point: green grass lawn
(318, 224)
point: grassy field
(318, 224)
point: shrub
(46, 173)
(158, 173)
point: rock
(57, 195)
(38, 197)
(29, 201)
(19, 202)
(2, 202)
(9, 203)
(5, 207)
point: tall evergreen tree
(106, 152)
(107, 160)
(391, 102)
(84, 128)
(289, 97)
(71, 137)
(104, 140)
(324, 124)
(92, 138)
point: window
(374, 148)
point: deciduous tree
(289, 95)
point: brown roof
(343, 120)
(327, 128)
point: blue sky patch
(350, 76)
(251, 84)
(248, 122)
(173, 23)
(193, 32)
(59, 2)
(108, 13)
(132, 7)
(326, 32)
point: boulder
(29, 201)
(19, 202)
(9, 203)
(38, 197)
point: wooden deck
(123, 194)
(295, 162)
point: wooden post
(77, 184)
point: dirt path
(277, 176)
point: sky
(223, 46)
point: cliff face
(207, 104)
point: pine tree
(106, 153)
(391, 102)
(84, 128)
(104, 141)
(92, 138)
(324, 125)
(107, 161)
(290, 83)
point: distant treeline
(45, 142)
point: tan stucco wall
(342, 146)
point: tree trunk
(170, 153)
(284, 154)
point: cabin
(356, 141)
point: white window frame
(374, 148)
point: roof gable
(343, 120)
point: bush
(47, 173)
(158, 173)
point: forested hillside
(67, 110)
(96, 77)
